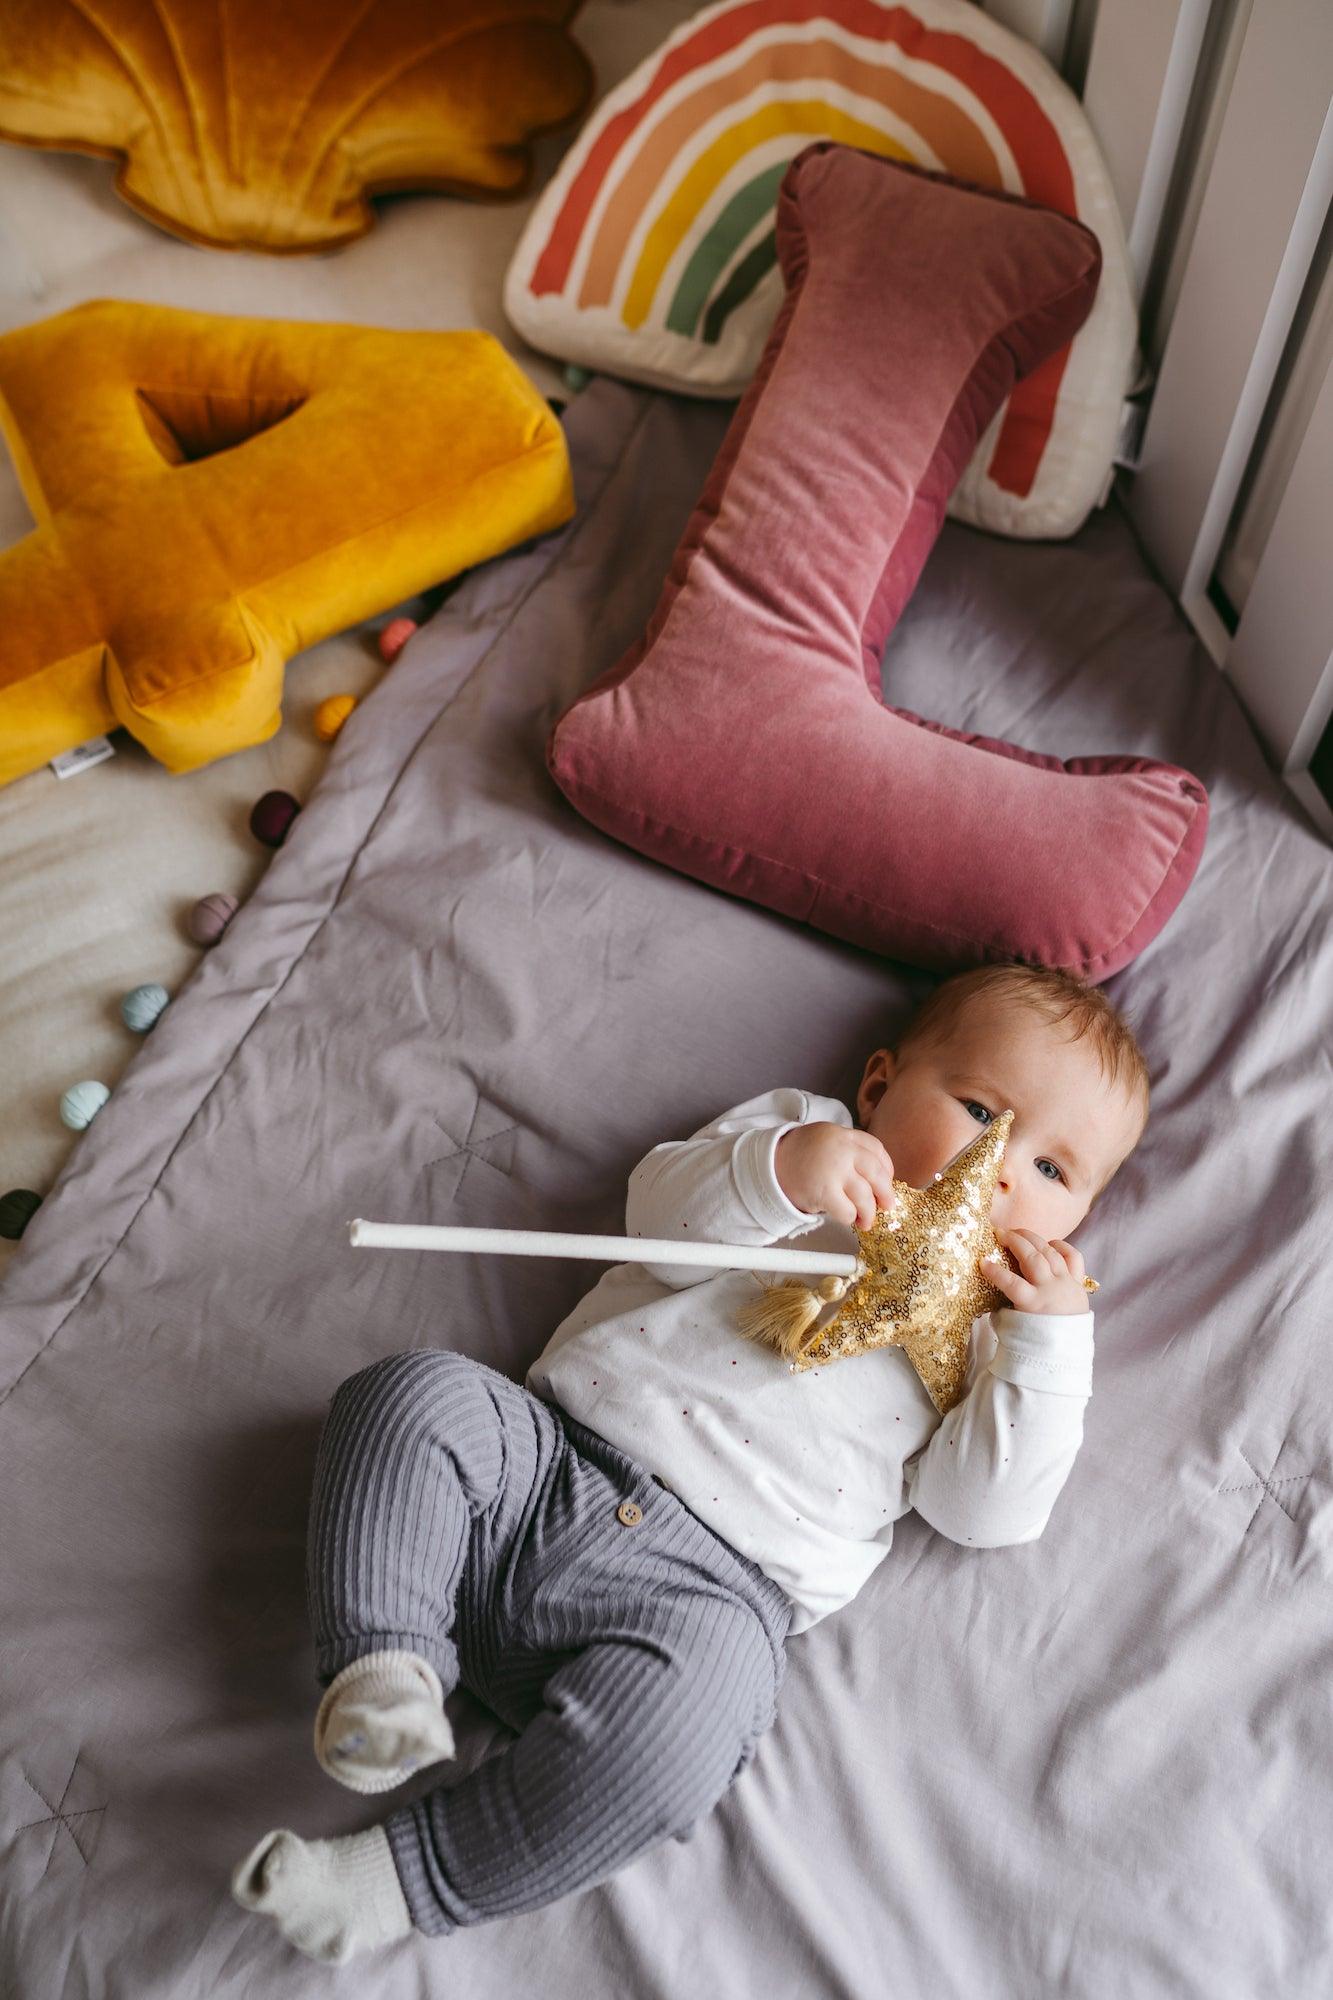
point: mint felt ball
(139, 1009)
(17, 1208)
(81, 1103)
(272, 816)
(210, 917)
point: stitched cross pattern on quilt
(1268, 1486)
(489, 1140)
(83, 1836)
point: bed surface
(1094, 1764)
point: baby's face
(1071, 1128)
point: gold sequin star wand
(921, 1284)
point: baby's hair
(1057, 996)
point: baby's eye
(984, 1117)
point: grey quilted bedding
(1097, 1765)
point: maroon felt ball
(395, 636)
(17, 1209)
(210, 917)
(272, 816)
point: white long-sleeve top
(805, 1473)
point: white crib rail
(1216, 119)
(1259, 223)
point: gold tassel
(784, 1315)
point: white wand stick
(605, 1249)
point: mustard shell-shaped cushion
(214, 493)
(261, 127)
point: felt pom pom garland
(141, 1008)
(210, 916)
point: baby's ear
(875, 1080)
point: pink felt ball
(272, 816)
(395, 636)
(210, 917)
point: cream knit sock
(380, 1720)
(330, 1898)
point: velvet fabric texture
(262, 127)
(744, 739)
(214, 493)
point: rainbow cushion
(652, 254)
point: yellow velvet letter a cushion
(214, 493)
(250, 125)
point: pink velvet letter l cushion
(744, 740)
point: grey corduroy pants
(638, 1655)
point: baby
(613, 1557)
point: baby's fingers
(1033, 1254)
(1015, 1288)
(1073, 1258)
(874, 1164)
(864, 1197)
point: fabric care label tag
(82, 757)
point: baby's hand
(825, 1169)
(1052, 1273)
